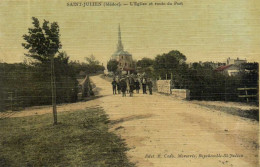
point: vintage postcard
(170, 83)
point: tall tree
(43, 42)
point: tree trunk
(53, 91)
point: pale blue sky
(201, 29)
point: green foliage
(203, 82)
(91, 60)
(112, 66)
(43, 41)
(91, 67)
(249, 74)
(145, 65)
(168, 63)
(207, 84)
(87, 68)
(30, 84)
(83, 139)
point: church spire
(119, 45)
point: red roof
(222, 68)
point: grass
(81, 139)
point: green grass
(81, 139)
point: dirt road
(162, 131)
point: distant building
(235, 61)
(230, 70)
(125, 60)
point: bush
(29, 85)
(203, 82)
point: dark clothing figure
(137, 86)
(144, 86)
(114, 87)
(123, 87)
(131, 86)
(127, 85)
(150, 87)
(118, 87)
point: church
(125, 60)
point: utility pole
(53, 91)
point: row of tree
(202, 80)
(91, 66)
(26, 85)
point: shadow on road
(130, 118)
(93, 97)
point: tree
(180, 58)
(112, 66)
(43, 42)
(92, 60)
(169, 63)
(92, 66)
(145, 62)
(145, 65)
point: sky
(203, 30)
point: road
(163, 131)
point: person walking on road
(144, 82)
(150, 86)
(118, 87)
(123, 87)
(132, 86)
(127, 84)
(114, 86)
(137, 86)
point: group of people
(129, 83)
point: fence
(247, 93)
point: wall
(164, 86)
(181, 93)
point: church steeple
(119, 45)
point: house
(235, 61)
(230, 70)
